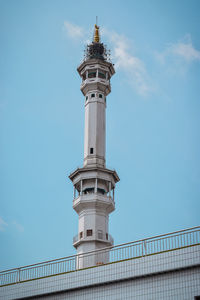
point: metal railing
(140, 248)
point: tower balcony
(100, 84)
(94, 200)
(91, 80)
(96, 236)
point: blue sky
(152, 120)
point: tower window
(91, 150)
(81, 234)
(86, 98)
(101, 191)
(102, 75)
(100, 96)
(92, 75)
(107, 236)
(89, 232)
(88, 191)
(93, 95)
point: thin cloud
(3, 224)
(18, 226)
(182, 51)
(73, 31)
(133, 66)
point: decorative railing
(96, 79)
(96, 235)
(92, 195)
(137, 249)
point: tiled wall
(141, 278)
(182, 285)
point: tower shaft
(94, 142)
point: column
(95, 188)
(109, 188)
(81, 186)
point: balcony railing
(94, 196)
(95, 79)
(137, 249)
(96, 235)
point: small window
(89, 232)
(107, 236)
(197, 298)
(81, 234)
(93, 95)
(84, 77)
(86, 97)
(91, 150)
(100, 96)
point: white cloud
(73, 31)
(183, 51)
(3, 224)
(186, 51)
(18, 226)
(133, 66)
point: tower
(94, 184)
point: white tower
(94, 183)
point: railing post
(18, 275)
(143, 248)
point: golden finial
(96, 34)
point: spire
(96, 49)
(96, 34)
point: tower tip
(96, 38)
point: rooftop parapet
(133, 250)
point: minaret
(94, 184)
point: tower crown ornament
(94, 184)
(96, 34)
(96, 49)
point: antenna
(96, 20)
